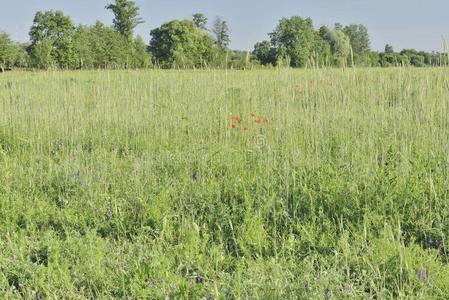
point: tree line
(57, 43)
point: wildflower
(422, 275)
(245, 130)
(199, 279)
(233, 125)
(236, 118)
(108, 214)
(327, 294)
(261, 121)
(433, 243)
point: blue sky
(403, 23)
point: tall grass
(134, 184)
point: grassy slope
(133, 184)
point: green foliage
(22, 58)
(100, 46)
(265, 53)
(240, 60)
(415, 58)
(7, 51)
(180, 44)
(360, 43)
(222, 34)
(141, 56)
(57, 44)
(126, 17)
(339, 45)
(52, 40)
(42, 55)
(200, 21)
(84, 41)
(109, 48)
(294, 39)
(389, 49)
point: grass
(133, 184)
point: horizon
(250, 22)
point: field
(267, 184)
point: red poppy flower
(233, 125)
(236, 118)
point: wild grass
(133, 184)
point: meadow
(214, 184)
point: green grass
(132, 184)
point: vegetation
(11, 54)
(200, 21)
(56, 43)
(6, 51)
(222, 34)
(100, 46)
(126, 19)
(306, 176)
(180, 44)
(52, 36)
(270, 184)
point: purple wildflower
(422, 275)
(199, 279)
(327, 294)
(108, 214)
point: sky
(402, 23)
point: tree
(52, 40)
(200, 21)
(359, 37)
(265, 53)
(321, 54)
(126, 18)
(42, 55)
(222, 33)
(294, 40)
(415, 58)
(21, 59)
(338, 27)
(142, 58)
(110, 48)
(7, 51)
(389, 49)
(180, 44)
(339, 44)
(360, 42)
(83, 47)
(101, 46)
